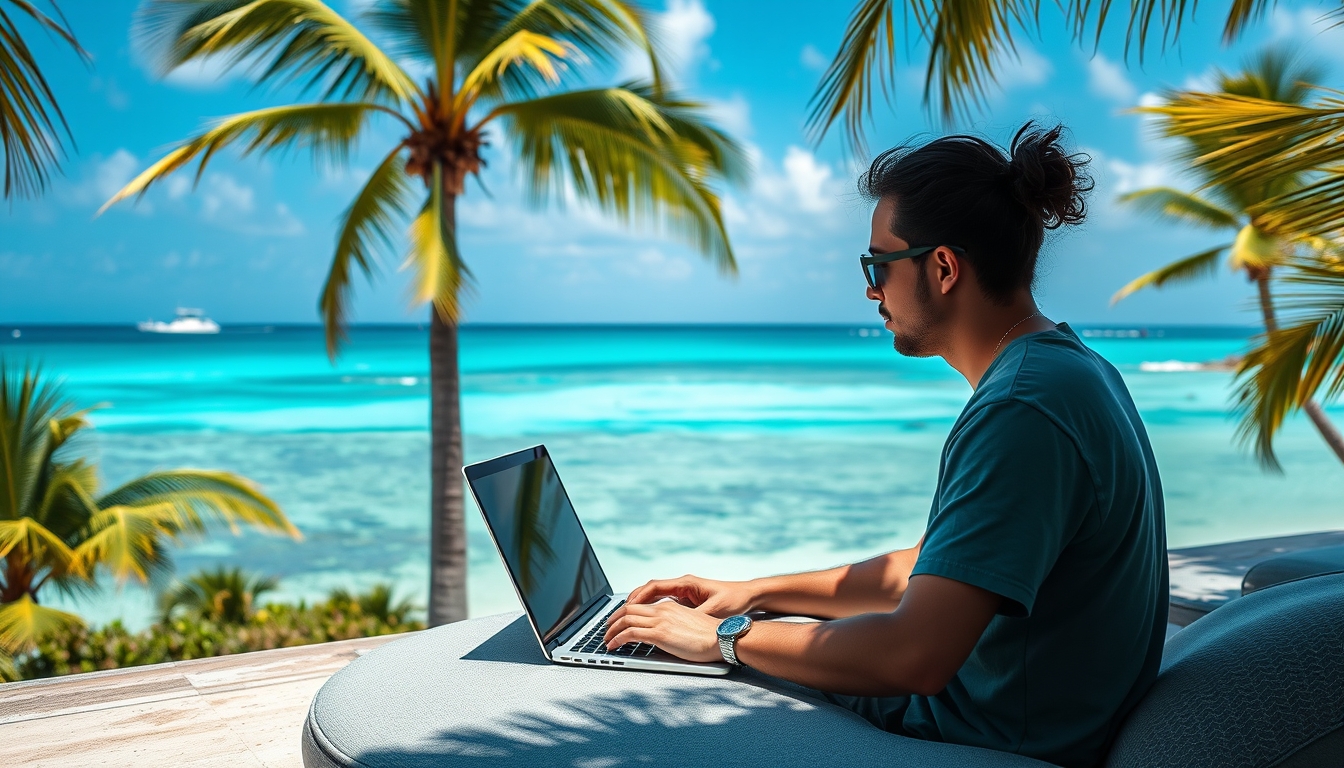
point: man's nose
(873, 293)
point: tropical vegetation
(223, 595)
(507, 72)
(31, 122)
(59, 531)
(1246, 140)
(187, 635)
(1242, 207)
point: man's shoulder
(1056, 374)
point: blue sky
(252, 243)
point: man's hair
(964, 191)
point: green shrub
(275, 625)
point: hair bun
(1045, 179)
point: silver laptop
(553, 568)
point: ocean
(728, 451)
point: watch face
(733, 625)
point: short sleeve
(1012, 493)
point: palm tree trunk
(447, 528)
(1313, 409)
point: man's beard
(919, 338)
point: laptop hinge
(578, 623)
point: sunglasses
(874, 264)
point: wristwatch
(730, 629)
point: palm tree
(378, 602)
(1295, 362)
(968, 40)
(29, 139)
(57, 530)
(224, 595)
(1237, 206)
(496, 69)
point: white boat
(187, 321)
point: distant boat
(187, 321)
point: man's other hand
(715, 598)
(684, 632)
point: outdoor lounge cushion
(1301, 564)
(1257, 683)
(480, 693)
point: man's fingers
(626, 623)
(656, 590)
(633, 635)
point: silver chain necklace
(1010, 330)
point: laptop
(553, 567)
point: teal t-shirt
(1048, 495)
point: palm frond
(329, 129)
(1314, 209)
(29, 407)
(867, 53)
(597, 30)
(635, 153)
(130, 541)
(1200, 265)
(23, 622)
(438, 272)
(284, 40)
(968, 41)
(1292, 365)
(36, 545)
(197, 496)
(31, 120)
(539, 54)
(1184, 207)
(1256, 138)
(366, 226)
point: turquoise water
(729, 451)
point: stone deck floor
(246, 711)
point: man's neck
(983, 330)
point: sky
(252, 242)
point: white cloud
(225, 198)
(733, 115)
(1028, 68)
(232, 205)
(177, 186)
(682, 32)
(683, 29)
(1308, 30)
(1126, 177)
(1107, 79)
(811, 181)
(812, 58)
(103, 178)
(206, 74)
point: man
(1031, 615)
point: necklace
(1010, 330)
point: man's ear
(947, 269)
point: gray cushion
(479, 693)
(1302, 564)
(1258, 682)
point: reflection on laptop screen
(544, 547)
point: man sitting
(1030, 617)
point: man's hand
(715, 598)
(684, 632)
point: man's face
(904, 298)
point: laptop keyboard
(591, 642)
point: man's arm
(872, 586)
(916, 648)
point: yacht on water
(187, 321)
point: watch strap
(728, 649)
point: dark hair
(962, 190)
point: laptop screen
(544, 547)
